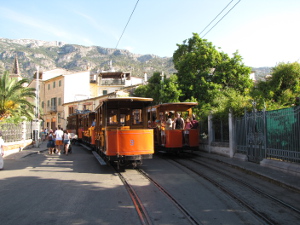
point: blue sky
(265, 32)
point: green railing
(271, 134)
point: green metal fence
(270, 134)
(282, 134)
(203, 127)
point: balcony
(112, 82)
(52, 109)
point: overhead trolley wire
(215, 17)
(221, 17)
(127, 23)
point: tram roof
(124, 99)
(140, 99)
(177, 106)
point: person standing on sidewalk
(1, 151)
(59, 139)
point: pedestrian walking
(51, 142)
(59, 139)
(67, 141)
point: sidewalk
(28, 151)
(273, 175)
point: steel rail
(250, 187)
(142, 213)
(230, 193)
(164, 191)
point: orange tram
(117, 129)
(169, 138)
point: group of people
(178, 123)
(58, 140)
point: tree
(170, 91)
(201, 67)
(152, 89)
(282, 89)
(13, 98)
(161, 89)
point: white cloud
(32, 22)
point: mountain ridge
(49, 55)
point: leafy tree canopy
(282, 89)
(13, 99)
(204, 73)
(160, 88)
(201, 67)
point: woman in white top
(59, 139)
(67, 141)
(169, 123)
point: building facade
(62, 92)
(55, 88)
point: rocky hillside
(51, 55)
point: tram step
(100, 160)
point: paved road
(38, 188)
(52, 189)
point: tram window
(137, 116)
(100, 117)
(112, 117)
(122, 119)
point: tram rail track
(139, 206)
(262, 215)
(170, 197)
(141, 211)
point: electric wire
(221, 18)
(127, 23)
(215, 17)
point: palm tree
(14, 98)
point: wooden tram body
(120, 133)
(88, 131)
(173, 140)
(74, 123)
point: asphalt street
(38, 188)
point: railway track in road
(142, 213)
(170, 197)
(144, 216)
(269, 208)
